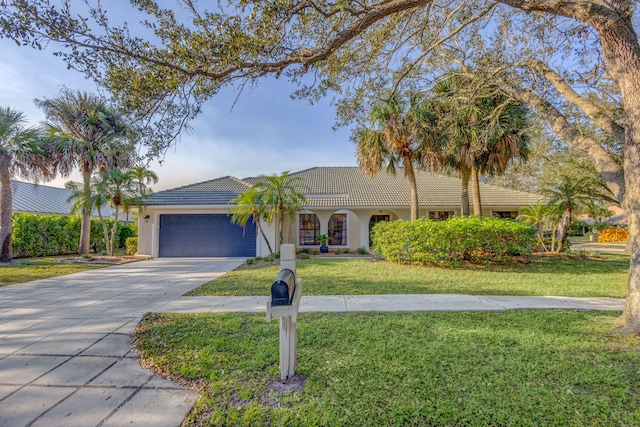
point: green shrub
(314, 252)
(476, 239)
(36, 235)
(250, 261)
(131, 246)
(362, 250)
(303, 255)
(124, 232)
(304, 250)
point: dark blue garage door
(205, 235)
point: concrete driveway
(65, 355)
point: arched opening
(308, 229)
(337, 230)
(376, 219)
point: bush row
(36, 235)
(476, 239)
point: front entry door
(374, 220)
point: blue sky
(265, 132)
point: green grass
(606, 277)
(517, 368)
(26, 270)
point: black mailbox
(282, 289)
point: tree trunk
(465, 175)
(114, 233)
(85, 226)
(621, 53)
(563, 230)
(6, 210)
(281, 226)
(411, 176)
(475, 186)
(256, 220)
(105, 230)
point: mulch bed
(100, 259)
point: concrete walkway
(378, 303)
(65, 353)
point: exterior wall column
(323, 217)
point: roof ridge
(240, 181)
(39, 185)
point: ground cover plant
(605, 277)
(26, 270)
(517, 368)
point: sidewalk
(385, 303)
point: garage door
(205, 235)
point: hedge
(475, 239)
(36, 235)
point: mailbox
(282, 289)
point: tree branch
(589, 108)
(610, 171)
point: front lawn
(516, 368)
(606, 277)
(26, 270)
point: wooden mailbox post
(288, 313)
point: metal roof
(348, 187)
(43, 199)
(35, 198)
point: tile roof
(348, 187)
(214, 192)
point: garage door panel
(204, 235)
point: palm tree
(23, 154)
(141, 177)
(249, 205)
(109, 188)
(484, 134)
(86, 131)
(567, 196)
(537, 215)
(281, 197)
(504, 141)
(402, 133)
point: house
(342, 202)
(43, 199)
(40, 199)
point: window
(309, 229)
(338, 230)
(440, 215)
(505, 214)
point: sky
(265, 132)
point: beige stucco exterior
(357, 225)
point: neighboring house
(194, 220)
(42, 199)
(618, 218)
